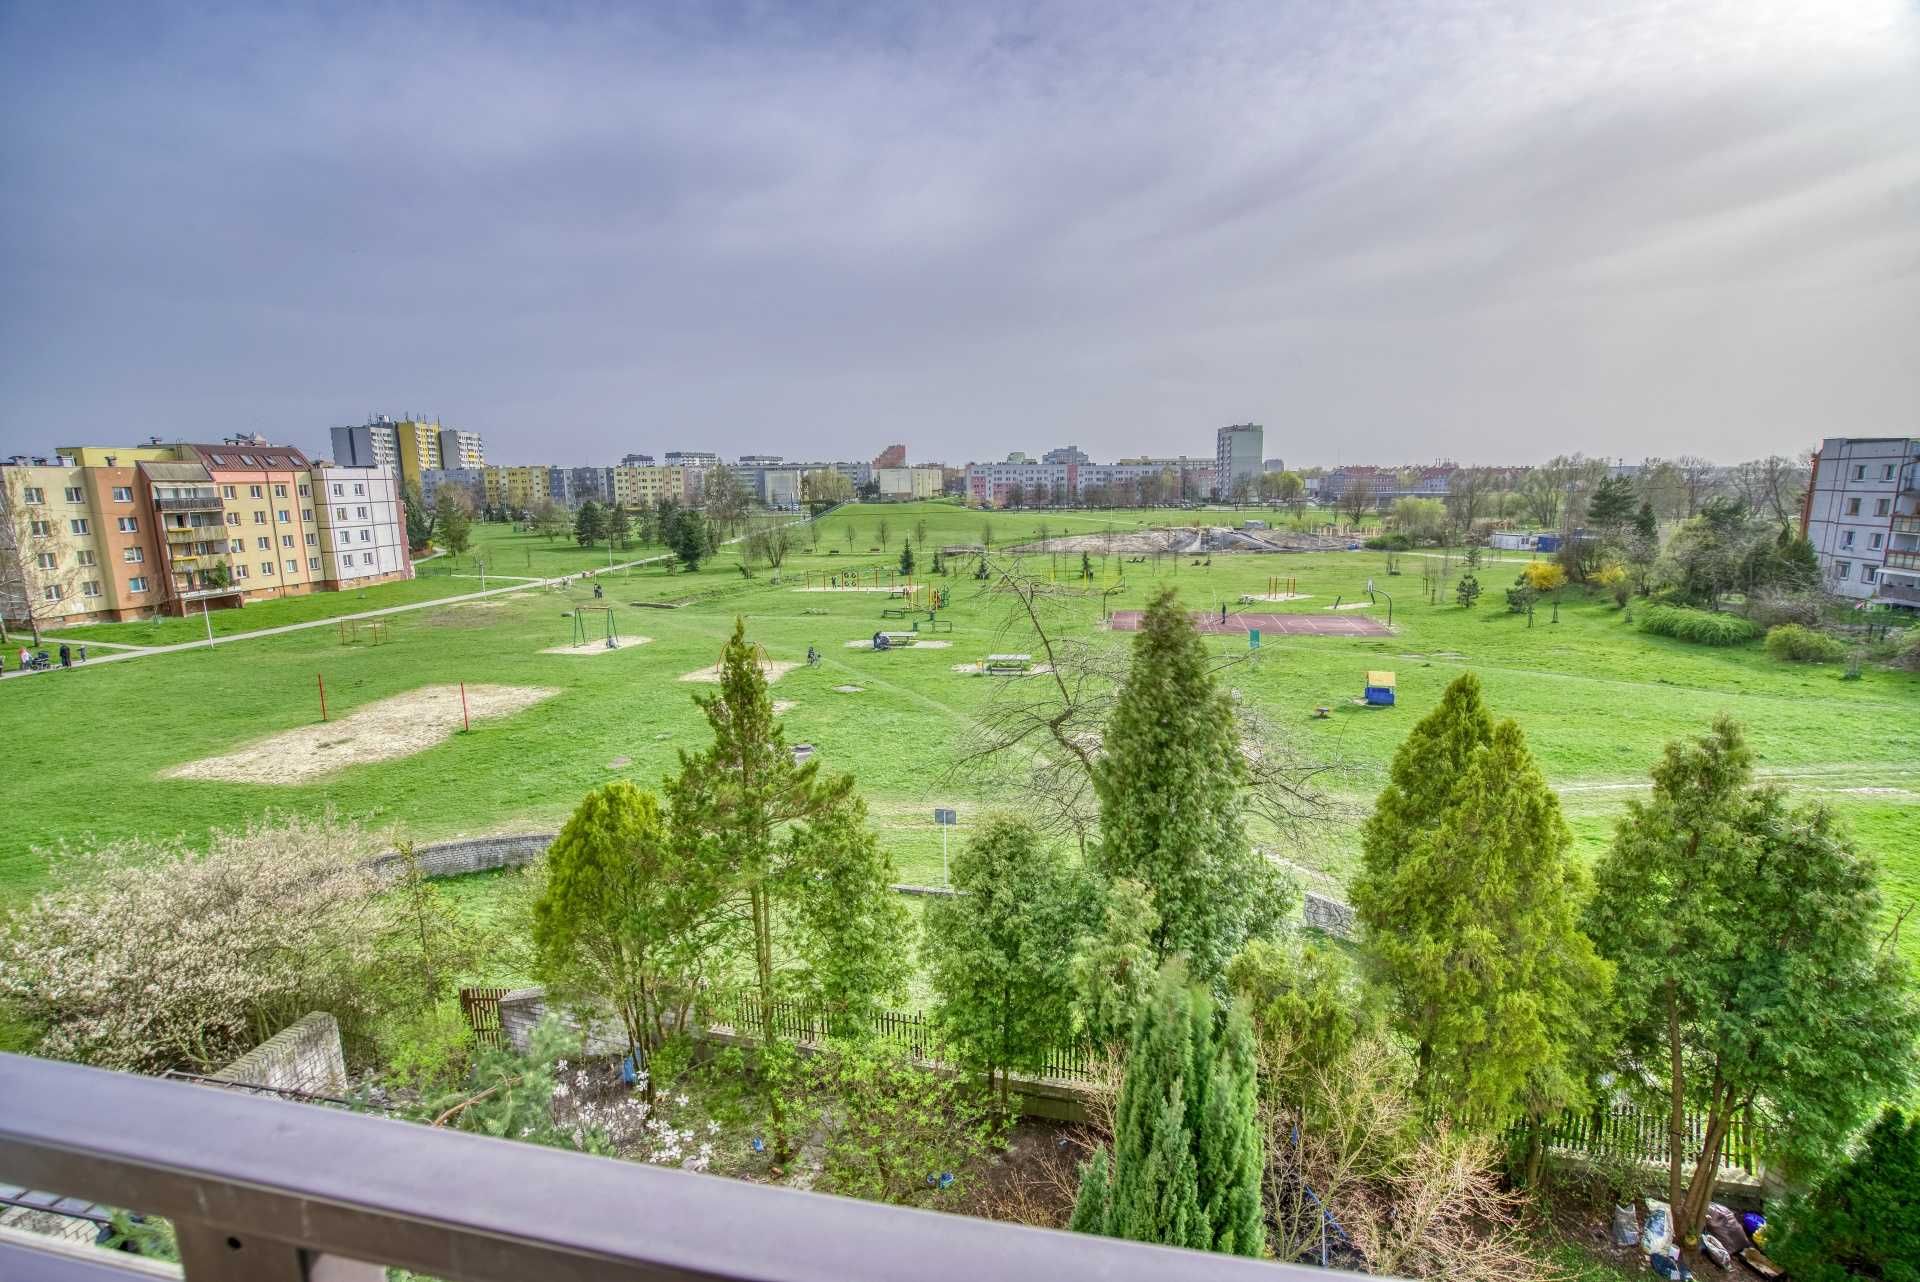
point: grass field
(1596, 696)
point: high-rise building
(461, 449)
(1862, 516)
(1237, 460)
(1066, 454)
(637, 460)
(407, 446)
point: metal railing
(209, 503)
(1903, 560)
(266, 1189)
(1890, 590)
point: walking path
(138, 652)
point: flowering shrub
(159, 956)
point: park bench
(895, 612)
(1003, 665)
(932, 624)
(893, 640)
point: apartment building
(469, 481)
(1020, 480)
(1862, 515)
(266, 497)
(591, 483)
(1237, 459)
(638, 486)
(407, 447)
(361, 525)
(519, 489)
(459, 449)
(908, 482)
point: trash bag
(1752, 1222)
(1724, 1224)
(1669, 1266)
(1657, 1237)
(1626, 1226)
(1715, 1251)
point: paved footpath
(141, 652)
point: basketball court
(1319, 625)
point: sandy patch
(1352, 605)
(395, 727)
(866, 643)
(596, 647)
(771, 669)
(1278, 596)
(784, 705)
(851, 689)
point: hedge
(1702, 627)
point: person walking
(66, 656)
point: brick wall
(304, 1056)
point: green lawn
(1597, 698)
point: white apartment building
(363, 530)
(1863, 517)
(460, 449)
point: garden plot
(771, 669)
(597, 647)
(391, 728)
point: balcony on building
(267, 1188)
(1900, 559)
(204, 498)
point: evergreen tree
(1468, 591)
(1113, 965)
(1863, 1221)
(620, 526)
(589, 524)
(800, 861)
(419, 519)
(1611, 505)
(1186, 1161)
(998, 951)
(906, 558)
(1468, 898)
(1645, 523)
(1750, 977)
(1168, 780)
(1086, 567)
(688, 538)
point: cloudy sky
(1393, 231)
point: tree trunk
(763, 975)
(1676, 1108)
(1687, 1219)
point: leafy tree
(725, 499)
(906, 558)
(801, 864)
(986, 534)
(590, 524)
(889, 1124)
(1113, 965)
(548, 519)
(1468, 591)
(1863, 1221)
(626, 916)
(1743, 932)
(456, 526)
(620, 526)
(1304, 999)
(1468, 898)
(1186, 1161)
(688, 538)
(1168, 779)
(998, 952)
(825, 487)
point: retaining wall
(304, 1056)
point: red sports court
(1317, 625)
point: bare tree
(1357, 497)
(1698, 481)
(1773, 486)
(770, 540)
(33, 562)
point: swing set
(583, 634)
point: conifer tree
(1186, 1160)
(1470, 904)
(1168, 779)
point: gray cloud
(1489, 230)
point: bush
(1863, 1221)
(1796, 644)
(1702, 627)
(1542, 576)
(1908, 654)
(1769, 609)
(1390, 543)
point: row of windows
(340, 513)
(358, 488)
(1843, 570)
(1875, 540)
(1886, 471)
(1881, 507)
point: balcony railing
(206, 503)
(1894, 590)
(1896, 559)
(264, 1188)
(1906, 525)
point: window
(1842, 571)
(282, 514)
(366, 536)
(266, 567)
(293, 567)
(51, 592)
(1876, 540)
(279, 491)
(41, 529)
(129, 525)
(134, 556)
(1867, 573)
(313, 563)
(263, 542)
(259, 518)
(306, 514)
(360, 512)
(286, 540)
(339, 514)
(1846, 538)
(239, 571)
(90, 588)
(33, 494)
(228, 492)
(47, 561)
(1859, 471)
(313, 539)
(1852, 508)
(79, 525)
(253, 492)
(233, 518)
(138, 583)
(306, 491)
(338, 490)
(1886, 472)
(1882, 507)
(121, 494)
(74, 495)
(359, 488)
(86, 558)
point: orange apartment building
(266, 496)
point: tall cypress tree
(1168, 779)
(1186, 1160)
(1470, 902)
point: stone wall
(1327, 913)
(476, 854)
(304, 1056)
